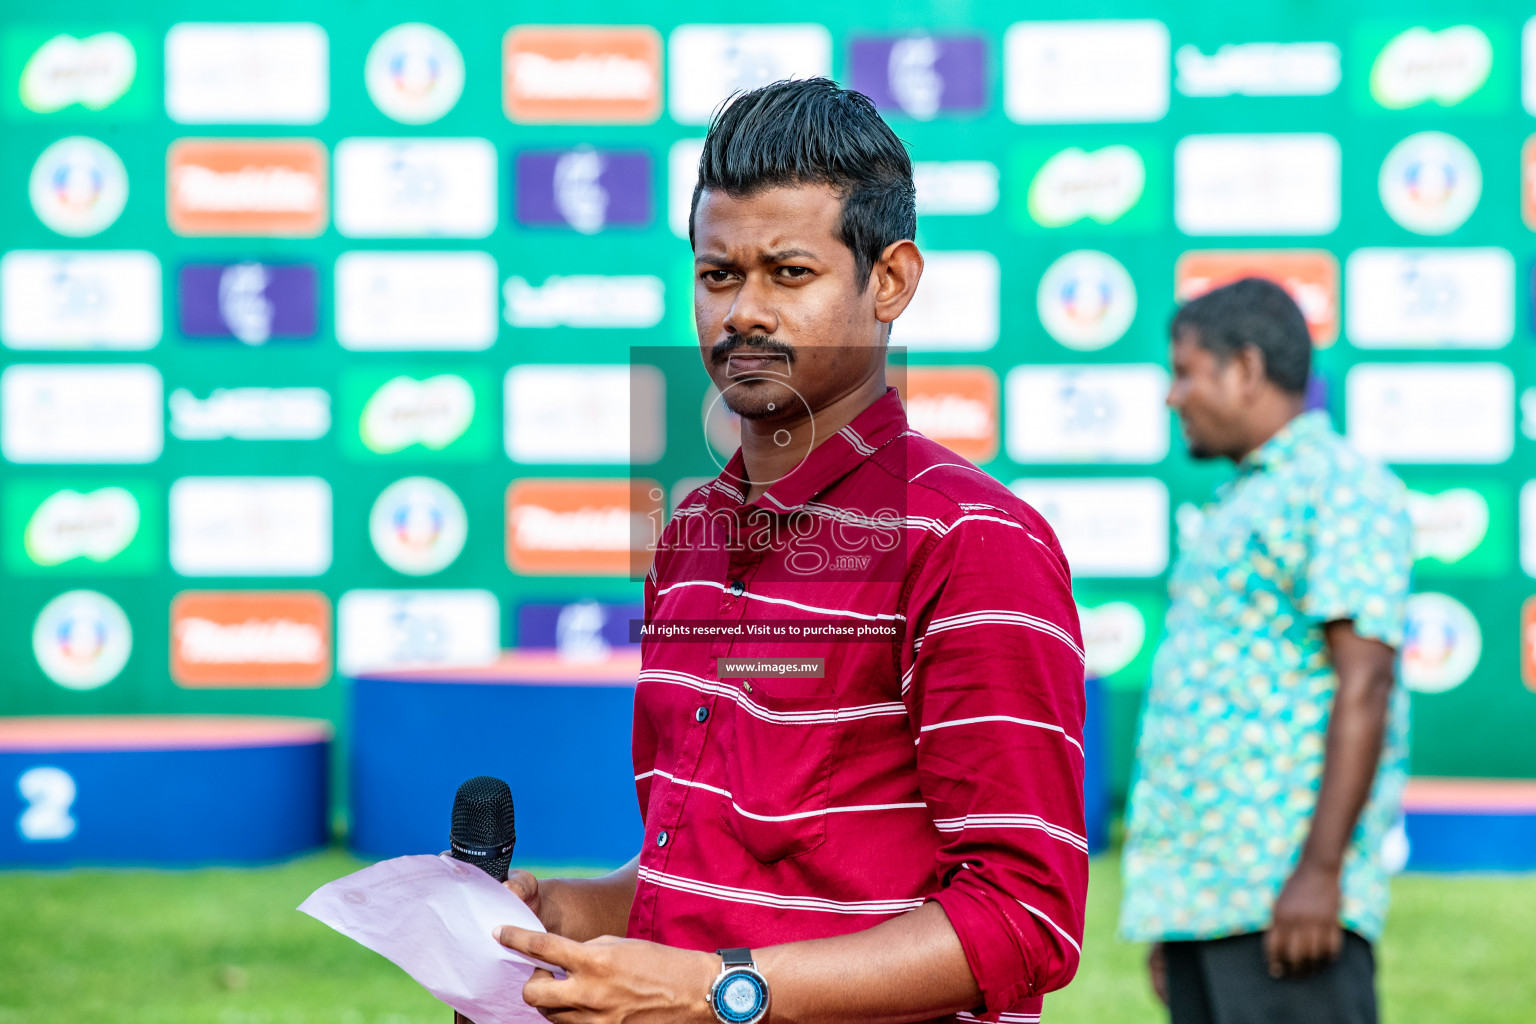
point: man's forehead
(784, 217)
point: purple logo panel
(585, 189)
(922, 76)
(576, 628)
(249, 302)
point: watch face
(740, 997)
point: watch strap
(735, 957)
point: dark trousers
(1226, 981)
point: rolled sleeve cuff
(999, 955)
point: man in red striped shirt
(899, 836)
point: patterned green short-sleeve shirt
(1231, 751)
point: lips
(754, 362)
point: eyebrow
(718, 259)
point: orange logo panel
(955, 406)
(583, 527)
(1528, 643)
(276, 638)
(256, 187)
(1311, 276)
(582, 75)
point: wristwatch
(740, 994)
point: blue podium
(1470, 824)
(161, 790)
(557, 731)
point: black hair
(1254, 312)
(810, 131)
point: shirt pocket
(779, 771)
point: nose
(1176, 394)
(751, 310)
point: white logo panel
(396, 188)
(251, 414)
(80, 300)
(585, 300)
(1430, 298)
(393, 630)
(1087, 413)
(1280, 184)
(1258, 69)
(963, 187)
(584, 414)
(1063, 72)
(250, 526)
(406, 301)
(258, 73)
(1432, 413)
(707, 63)
(52, 413)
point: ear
(895, 276)
(1250, 364)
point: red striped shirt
(942, 764)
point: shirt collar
(832, 459)
(1287, 442)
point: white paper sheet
(433, 917)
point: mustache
(759, 342)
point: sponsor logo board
(708, 63)
(682, 176)
(1258, 69)
(76, 75)
(1528, 643)
(250, 526)
(1528, 528)
(921, 76)
(1059, 72)
(403, 301)
(581, 75)
(251, 414)
(584, 188)
(81, 413)
(1424, 67)
(414, 73)
(1430, 183)
(249, 302)
(412, 412)
(585, 415)
(585, 300)
(1086, 300)
(1086, 188)
(1430, 298)
(74, 526)
(418, 526)
(584, 630)
(78, 187)
(233, 73)
(246, 187)
(80, 300)
(1260, 184)
(1461, 529)
(1116, 633)
(250, 638)
(82, 640)
(412, 188)
(395, 630)
(1431, 412)
(1087, 413)
(575, 527)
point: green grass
(226, 947)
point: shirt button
(700, 714)
(661, 839)
(738, 588)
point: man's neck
(1270, 417)
(768, 461)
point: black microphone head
(482, 833)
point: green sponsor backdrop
(1482, 727)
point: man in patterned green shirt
(1273, 748)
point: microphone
(482, 832)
